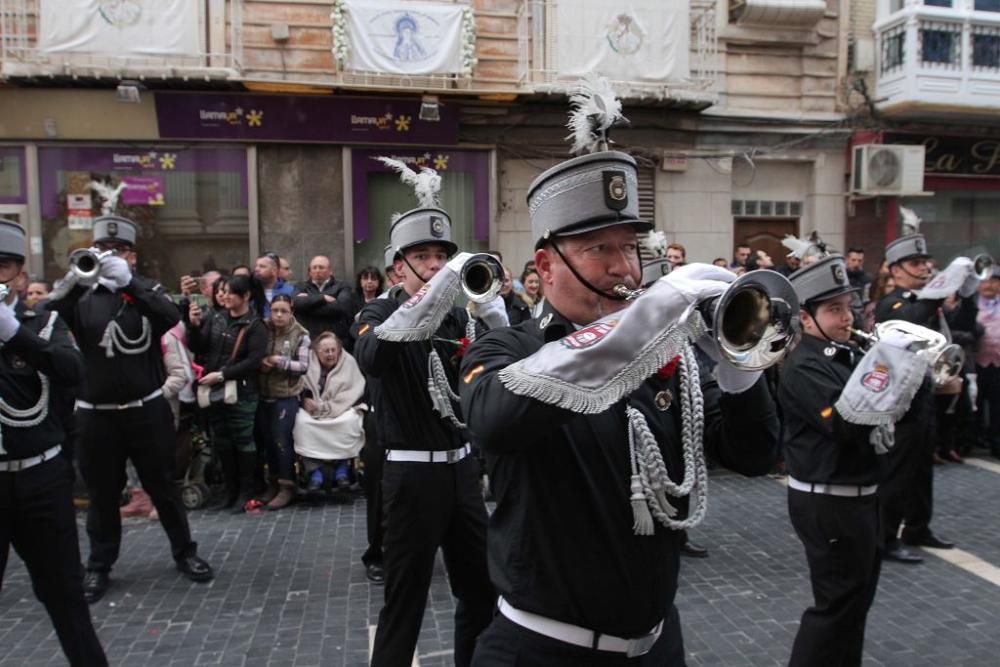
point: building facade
(260, 135)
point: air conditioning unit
(881, 169)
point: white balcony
(215, 57)
(938, 61)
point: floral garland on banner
(342, 43)
(469, 59)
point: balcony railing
(938, 58)
(23, 57)
(540, 40)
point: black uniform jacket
(213, 341)
(316, 315)
(819, 446)
(123, 377)
(406, 418)
(560, 542)
(21, 359)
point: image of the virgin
(407, 45)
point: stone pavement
(291, 591)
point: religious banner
(408, 38)
(120, 27)
(642, 41)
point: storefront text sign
(308, 119)
(958, 156)
(143, 191)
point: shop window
(190, 206)
(378, 194)
(12, 186)
(958, 223)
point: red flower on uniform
(127, 299)
(668, 371)
(463, 345)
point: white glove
(492, 313)
(8, 322)
(698, 282)
(458, 261)
(114, 272)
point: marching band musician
(37, 359)
(581, 431)
(430, 482)
(908, 493)
(118, 319)
(835, 464)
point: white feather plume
(911, 221)
(655, 244)
(596, 110)
(109, 195)
(795, 245)
(426, 183)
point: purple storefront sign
(143, 191)
(328, 119)
(476, 163)
(130, 161)
(9, 155)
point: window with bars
(893, 49)
(940, 44)
(766, 208)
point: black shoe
(95, 585)
(375, 573)
(693, 550)
(901, 554)
(930, 540)
(195, 569)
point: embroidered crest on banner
(416, 298)
(876, 380)
(588, 335)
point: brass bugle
(85, 262)
(947, 359)
(481, 278)
(982, 266)
(755, 321)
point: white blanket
(330, 439)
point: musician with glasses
(38, 360)
(117, 319)
(592, 417)
(836, 461)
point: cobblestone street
(290, 589)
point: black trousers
(146, 436)
(373, 457)
(988, 402)
(505, 643)
(431, 505)
(908, 492)
(37, 518)
(840, 536)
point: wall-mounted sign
(326, 119)
(79, 211)
(143, 191)
(952, 155)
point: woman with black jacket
(232, 344)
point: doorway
(765, 234)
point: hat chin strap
(415, 272)
(907, 272)
(584, 281)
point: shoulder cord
(650, 483)
(114, 338)
(440, 391)
(37, 413)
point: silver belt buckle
(130, 404)
(642, 645)
(15, 466)
(452, 455)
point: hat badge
(112, 229)
(616, 188)
(838, 274)
(918, 244)
(437, 228)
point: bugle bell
(946, 358)
(755, 321)
(481, 278)
(85, 262)
(982, 266)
